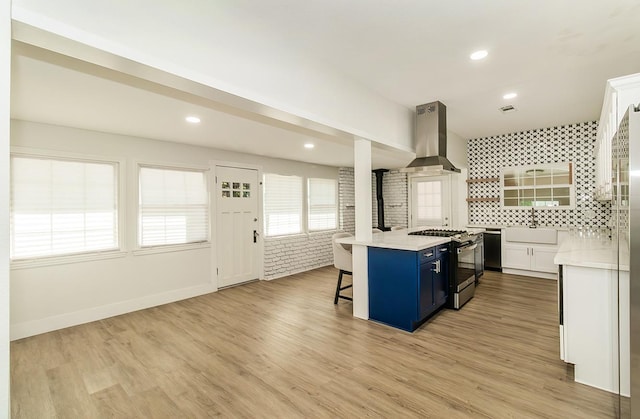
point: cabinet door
(427, 273)
(516, 257)
(441, 279)
(542, 259)
(393, 287)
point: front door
(237, 226)
(430, 197)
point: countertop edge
(430, 242)
(502, 227)
(594, 254)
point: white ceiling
(556, 55)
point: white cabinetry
(619, 94)
(542, 259)
(530, 259)
(516, 256)
(595, 330)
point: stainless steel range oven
(463, 278)
(463, 263)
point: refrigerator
(625, 206)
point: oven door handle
(467, 248)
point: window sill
(64, 260)
(170, 248)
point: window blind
(61, 207)
(323, 204)
(282, 204)
(174, 206)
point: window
(322, 204)
(62, 207)
(282, 204)
(174, 206)
(430, 200)
(540, 186)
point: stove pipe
(380, 199)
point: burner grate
(438, 233)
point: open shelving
(485, 198)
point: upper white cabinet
(619, 94)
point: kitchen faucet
(533, 223)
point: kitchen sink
(531, 235)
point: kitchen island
(399, 239)
(593, 300)
(408, 277)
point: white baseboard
(36, 327)
(298, 271)
(535, 274)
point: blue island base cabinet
(406, 287)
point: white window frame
(446, 207)
(120, 251)
(164, 248)
(335, 204)
(303, 221)
(534, 187)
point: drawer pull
(444, 249)
(427, 254)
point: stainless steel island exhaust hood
(431, 141)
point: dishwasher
(493, 249)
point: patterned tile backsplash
(569, 143)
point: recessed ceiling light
(478, 55)
(509, 95)
(309, 145)
(192, 119)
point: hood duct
(431, 141)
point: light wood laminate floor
(281, 349)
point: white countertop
(485, 226)
(591, 253)
(500, 226)
(401, 240)
(398, 239)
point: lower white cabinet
(531, 259)
(537, 258)
(516, 256)
(594, 329)
(542, 259)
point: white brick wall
(394, 189)
(292, 254)
(396, 199)
(347, 200)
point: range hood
(431, 141)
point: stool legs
(339, 287)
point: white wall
(51, 297)
(457, 150)
(202, 43)
(5, 89)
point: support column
(5, 119)
(363, 210)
